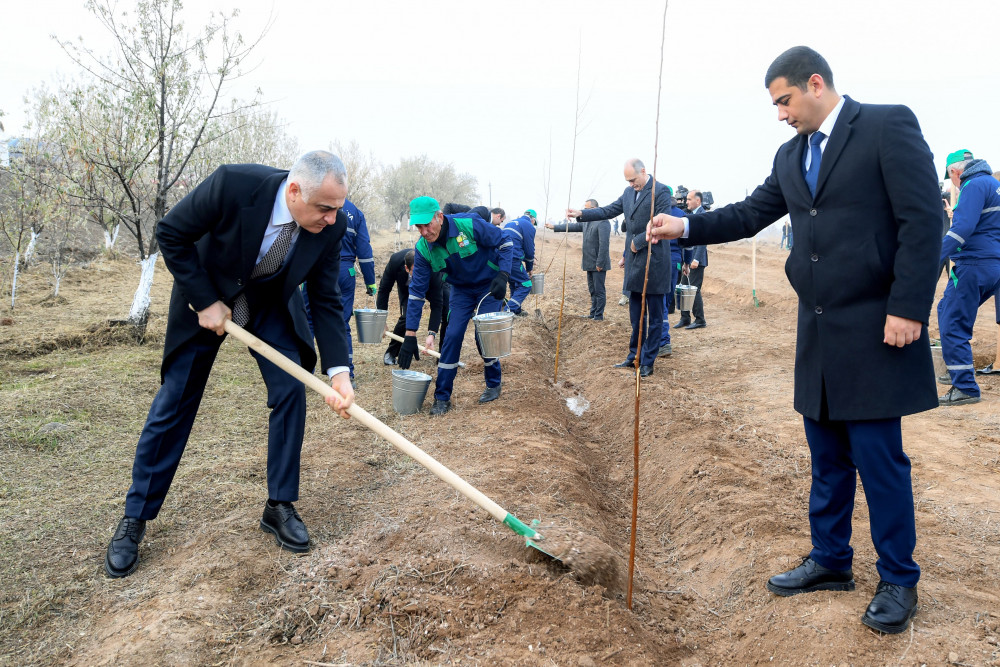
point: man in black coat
(238, 246)
(397, 272)
(635, 203)
(864, 266)
(596, 258)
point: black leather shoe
(891, 609)
(282, 521)
(388, 359)
(440, 407)
(598, 318)
(808, 577)
(682, 324)
(491, 394)
(625, 364)
(696, 325)
(645, 371)
(122, 556)
(665, 350)
(520, 313)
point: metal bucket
(685, 297)
(370, 323)
(537, 283)
(941, 373)
(409, 388)
(493, 332)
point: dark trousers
(668, 304)
(697, 276)
(463, 302)
(651, 327)
(399, 330)
(842, 450)
(598, 295)
(347, 285)
(172, 413)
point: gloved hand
(498, 288)
(370, 290)
(408, 352)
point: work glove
(498, 288)
(370, 290)
(408, 352)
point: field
(403, 568)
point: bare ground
(403, 568)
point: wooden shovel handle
(420, 347)
(367, 420)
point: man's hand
(900, 331)
(429, 343)
(214, 317)
(498, 288)
(632, 247)
(573, 213)
(599, 269)
(621, 263)
(549, 225)
(664, 227)
(686, 270)
(341, 384)
(694, 264)
(409, 351)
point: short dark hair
(500, 211)
(451, 208)
(695, 193)
(592, 202)
(796, 65)
(408, 259)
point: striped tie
(269, 263)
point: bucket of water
(685, 297)
(409, 388)
(537, 283)
(494, 332)
(370, 323)
(940, 369)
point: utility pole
(490, 185)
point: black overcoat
(866, 246)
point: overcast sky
(489, 86)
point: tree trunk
(110, 238)
(30, 250)
(138, 316)
(13, 282)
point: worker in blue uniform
(475, 258)
(973, 245)
(522, 234)
(356, 247)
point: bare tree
(417, 176)
(147, 110)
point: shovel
(421, 348)
(530, 535)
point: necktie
(268, 264)
(816, 156)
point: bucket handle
(688, 277)
(505, 304)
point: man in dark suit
(596, 257)
(238, 247)
(635, 203)
(864, 267)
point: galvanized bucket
(685, 297)
(494, 332)
(370, 323)
(537, 283)
(940, 368)
(409, 388)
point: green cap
(532, 213)
(958, 156)
(422, 210)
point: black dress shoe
(625, 364)
(491, 394)
(891, 609)
(645, 371)
(122, 556)
(440, 407)
(696, 325)
(282, 521)
(388, 359)
(808, 577)
(682, 323)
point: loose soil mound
(404, 569)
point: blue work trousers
(520, 287)
(842, 450)
(668, 303)
(462, 309)
(957, 310)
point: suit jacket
(596, 236)
(210, 241)
(865, 247)
(636, 211)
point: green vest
(463, 245)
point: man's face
(637, 180)
(587, 204)
(955, 176)
(496, 219)
(693, 202)
(432, 229)
(321, 209)
(799, 108)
